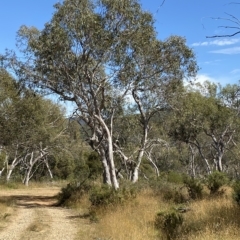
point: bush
(177, 196)
(73, 191)
(104, 196)
(215, 181)
(236, 192)
(169, 222)
(194, 187)
(174, 177)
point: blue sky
(217, 58)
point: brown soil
(37, 216)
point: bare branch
(232, 19)
(226, 35)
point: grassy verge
(6, 211)
(212, 217)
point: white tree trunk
(27, 177)
(219, 162)
(106, 172)
(48, 168)
(2, 171)
(140, 153)
(111, 164)
(109, 157)
(135, 174)
(10, 170)
(192, 161)
(14, 163)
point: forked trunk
(109, 155)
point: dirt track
(37, 217)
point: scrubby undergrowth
(161, 209)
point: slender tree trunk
(141, 152)
(106, 172)
(193, 170)
(109, 155)
(219, 162)
(111, 164)
(209, 171)
(135, 174)
(14, 163)
(192, 161)
(27, 177)
(2, 171)
(48, 168)
(208, 167)
(4, 164)
(10, 170)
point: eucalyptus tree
(208, 120)
(104, 55)
(30, 127)
(47, 136)
(36, 134)
(9, 95)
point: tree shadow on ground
(30, 201)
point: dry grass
(208, 219)
(134, 220)
(32, 185)
(6, 211)
(211, 218)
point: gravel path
(38, 219)
(21, 222)
(62, 223)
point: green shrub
(104, 196)
(169, 222)
(215, 181)
(236, 192)
(174, 195)
(174, 177)
(73, 191)
(194, 187)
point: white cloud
(201, 78)
(223, 79)
(214, 62)
(233, 50)
(235, 71)
(217, 42)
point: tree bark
(2, 171)
(135, 174)
(106, 173)
(48, 168)
(109, 155)
(219, 162)
(27, 177)
(9, 173)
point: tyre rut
(38, 219)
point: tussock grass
(213, 218)
(134, 220)
(210, 218)
(6, 211)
